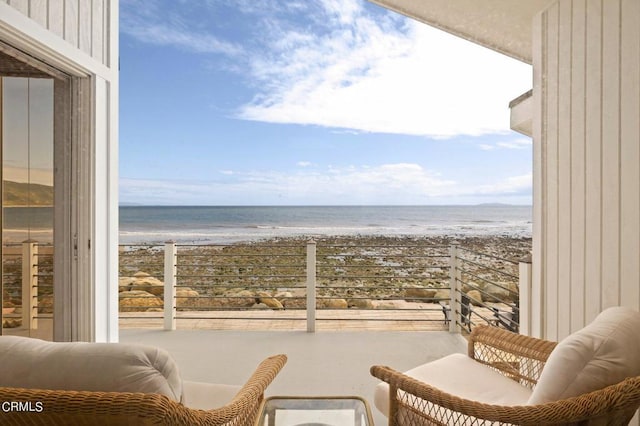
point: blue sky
(312, 102)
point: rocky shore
(361, 272)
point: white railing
(27, 282)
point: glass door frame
(67, 129)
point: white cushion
(603, 353)
(206, 396)
(460, 375)
(107, 367)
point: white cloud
(304, 163)
(510, 185)
(401, 183)
(374, 75)
(344, 64)
(148, 22)
(522, 143)
(516, 144)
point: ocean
(227, 224)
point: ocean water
(226, 224)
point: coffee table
(315, 411)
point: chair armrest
(62, 408)
(514, 355)
(244, 407)
(415, 402)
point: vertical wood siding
(587, 58)
(82, 23)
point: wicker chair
(58, 407)
(522, 359)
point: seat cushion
(460, 375)
(206, 396)
(107, 367)
(603, 353)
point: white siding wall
(586, 61)
(82, 23)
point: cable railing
(410, 285)
(438, 287)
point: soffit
(501, 25)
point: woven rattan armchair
(57, 407)
(521, 359)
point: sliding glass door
(27, 140)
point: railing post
(170, 272)
(454, 302)
(524, 284)
(311, 286)
(29, 285)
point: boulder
(475, 297)
(360, 303)
(11, 322)
(443, 295)
(259, 306)
(268, 300)
(138, 301)
(145, 282)
(419, 294)
(125, 283)
(187, 298)
(331, 304)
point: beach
(353, 272)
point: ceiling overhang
(501, 25)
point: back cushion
(603, 353)
(106, 367)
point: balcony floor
(322, 363)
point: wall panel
(552, 180)
(630, 153)
(593, 160)
(578, 165)
(587, 56)
(82, 23)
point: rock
(475, 297)
(360, 303)
(187, 298)
(419, 294)
(45, 305)
(143, 282)
(281, 295)
(385, 305)
(11, 322)
(242, 298)
(498, 294)
(268, 300)
(138, 301)
(331, 304)
(442, 296)
(125, 283)
(259, 306)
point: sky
(312, 102)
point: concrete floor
(320, 364)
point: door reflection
(27, 112)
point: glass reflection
(27, 111)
